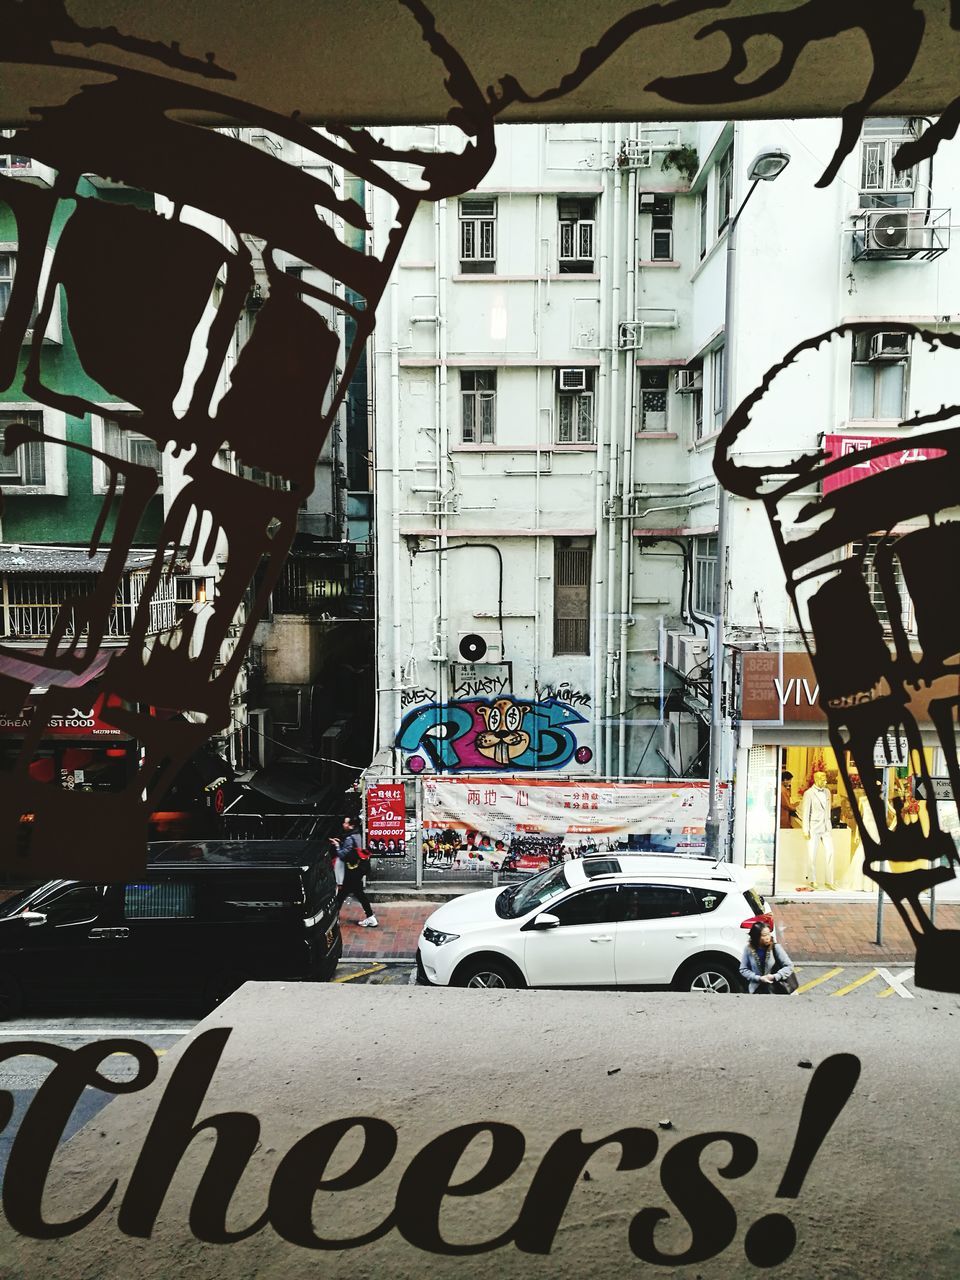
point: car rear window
(709, 899)
(755, 902)
(161, 900)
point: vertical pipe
(538, 425)
(395, 494)
(609, 418)
(600, 473)
(443, 443)
(626, 474)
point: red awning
(28, 668)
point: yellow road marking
(815, 982)
(867, 977)
(361, 973)
(889, 992)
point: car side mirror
(543, 921)
(33, 917)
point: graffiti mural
(503, 733)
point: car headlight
(438, 937)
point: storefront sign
(940, 789)
(790, 693)
(386, 819)
(837, 446)
(72, 724)
(891, 752)
(475, 823)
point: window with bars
(879, 566)
(571, 596)
(878, 375)
(724, 188)
(33, 605)
(661, 230)
(26, 465)
(705, 574)
(478, 405)
(654, 383)
(478, 234)
(121, 439)
(577, 233)
(881, 184)
(575, 419)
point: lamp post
(766, 166)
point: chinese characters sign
(386, 819)
(841, 446)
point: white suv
(604, 921)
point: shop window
(577, 234)
(161, 900)
(478, 235)
(117, 435)
(653, 398)
(478, 405)
(878, 376)
(25, 466)
(724, 188)
(884, 578)
(882, 186)
(575, 406)
(571, 596)
(705, 575)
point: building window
(36, 603)
(577, 233)
(122, 440)
(661, 230)
(702, 222)
(478, 235)
(724, 188)
(705, 575)
(716, 361)
(575, 406)
(571, 596)
(878, 378)
(886, 605)
(881, 185)
(7, 264)
(27, 464)
(653, 398)
(478, 405)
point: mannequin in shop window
(815, 819)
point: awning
(20, 558)
(27, 668)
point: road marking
(361, 973)
(867, 977)
(896, 981)
(815, 982)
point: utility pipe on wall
(600, 471)
(626, 484)
(609, 419)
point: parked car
(203, 918)
(605, 921)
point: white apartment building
(548, 388)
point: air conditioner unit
(688, 380)
(671, 649)
(889, 346)
(647, 200)
(573, 379)
(693, 656)
(474, 647)
(888, 229)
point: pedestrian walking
(351, 855)
(765, 966)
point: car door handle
(687, 935)
(606, 937)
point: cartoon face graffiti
(503, 739)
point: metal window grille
(478, 398)
(478, 234)
(877, 171)
(571, 609)
(33, 605)
(896, 598)
(576, 233)
(653, 398)
(27, 464)
(575, 418)
(705, 575)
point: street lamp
(766, 165)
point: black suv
(204, 917)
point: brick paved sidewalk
(811, 931)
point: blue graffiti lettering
(434, 729)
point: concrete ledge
(879, 1198)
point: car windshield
(12, 906)
(538, 890)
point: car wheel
(487, 973)
(710, 977)
(11, 998)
